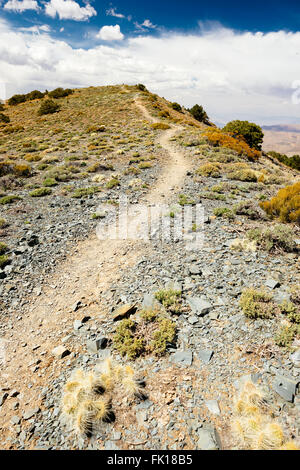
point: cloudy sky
(238, 59)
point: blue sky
(238, 59)
(175, 16)
(255, 15)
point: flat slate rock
(205, 355)
(207, 440)
(77, 324)
(183, 358)
(93, 346)
(272, 283)
(124, 312)
(295, 358)
(30, 413)
(195, 270)
(286, 387)
(199, 306)
(60, 352)
(213, 407)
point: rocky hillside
(167, 346)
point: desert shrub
(9, 199)
(42, 166)
(85, 192)
(184, 200)
(285, 205)
(291, 311)
(112, 183)
(219, 138)
(132, 171)
(286, 335)
(176, 107)
(12, 129)
(164, 114)
(49, 182)
(164, 335)
(199, 114)
(48, 107)
(224, 212)
(295, 294)
(257, 304)
(3, 223)
(51, 159)
(6, 167)
(40, 192)
(32, 158)
(22, 170)
(141, 87)
(170, 299)
(194, 142)
(34, 95)
(4, 118)
(268, 178)
(9, 182)
(243, 175)
(247, 208)
(252, 133)
(276, 237)
(96, 128)
(4, 260)
(125, 340)
(16, 99)
(60, 174)
(213, 196)
(209, 169)
(93, 168)
(292, 162)
(223, 188)
(3, 248)
(152, 334)
(160, 125)
(145, 165)
(60, 93)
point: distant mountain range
(283, 128)
(283, 138)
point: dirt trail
(177, 167)
(92, 266)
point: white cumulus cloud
(69, 10)
(113, 12)
(239, 75)
(21, 5)
(148, 24)
(37, 28)
(110, 33)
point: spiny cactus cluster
(87, 397)
(253, 427)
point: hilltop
(193, 324)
